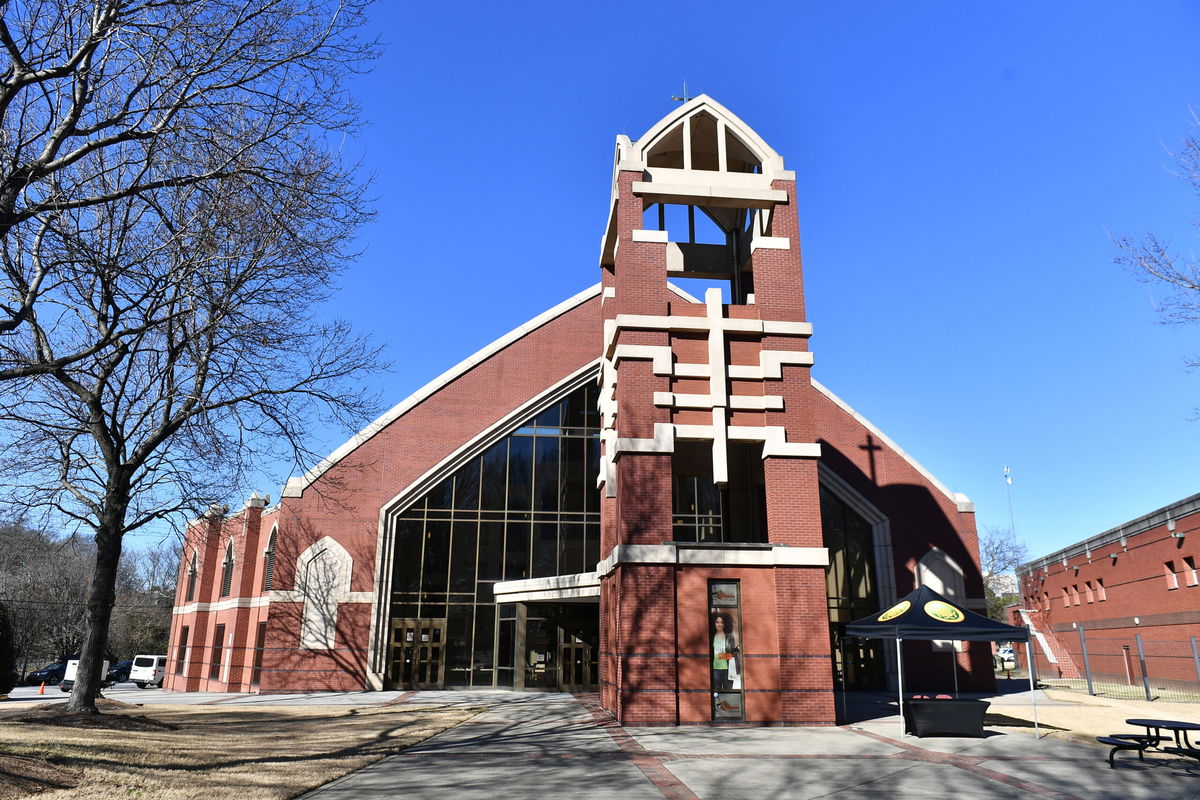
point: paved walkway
(128, 693)
(557, 745)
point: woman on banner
(726, 666)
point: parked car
(1005, 658)
(120, 671)
(51, 674)
(148, 671)
(68, 681)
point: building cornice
(1103, 541)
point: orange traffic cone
(42, 689)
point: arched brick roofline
(296, 486)
(770, 159)
(961, 501)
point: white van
(148, 671)
(68, 681)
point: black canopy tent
(926, 615)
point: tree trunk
(101, 597)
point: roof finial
(685, 96)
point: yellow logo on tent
(894, 611)
(944, 612)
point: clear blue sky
(960, 166)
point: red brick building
(1139, 578)
(639, 492)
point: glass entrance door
(575, 660)
(417, 654)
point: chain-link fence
(1127, 667)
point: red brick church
(641, 492)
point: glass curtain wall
(526, 508)
(850, 591)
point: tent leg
(954, 666)
(1032, 691)
(900, 685)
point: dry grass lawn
(207, 752)
(1088, 717)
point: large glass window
(850, 590)
(526, 508)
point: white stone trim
(766, 402)
(779, 327)
(674, 322)
(580, 586)
(775, 444)
(715, 324)
(644, 235)
(961, 501)
(730, 555)
(296, 486)
(709, 194)
(663, 442)
(694, 433)
(223, 605)
(701, 179)
(770, 243)
(738, 402)
(693, 371)
(720, 445)
(635, 152)
(672, 400)
(682, 293)
(293, 596)
(771, 364)
(659, 356)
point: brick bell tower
(713, 598)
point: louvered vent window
(227, 571)
(191, 584)
(269, 567)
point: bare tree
(141, 620)
(999, 554)
(171, 213)
(1155, 262)
(43, 581)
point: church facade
(642, 492)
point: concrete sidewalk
(560, 745)
(128, 693)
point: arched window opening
(739, 157)
(704, 142)
(668, 150)
(850, 590)
(940, 572)
(191, 580)
(700, 141)
(227, 571)
(269, 563)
